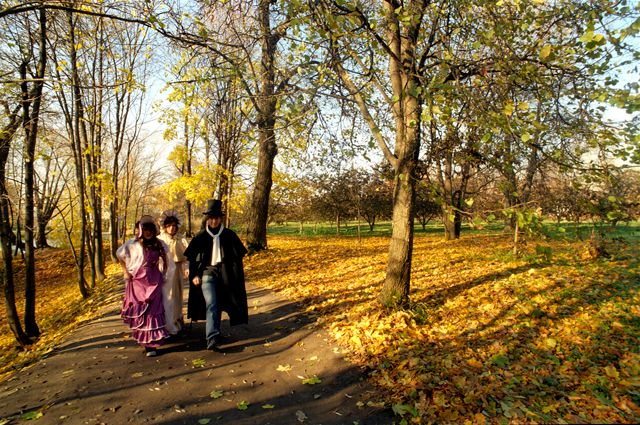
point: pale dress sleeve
(132, 255)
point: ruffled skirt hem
(152, 338)
(145, 328)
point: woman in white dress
(172, 291)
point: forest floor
(282, 368)
(551, 335)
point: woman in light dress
(172, 291)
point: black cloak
(232, 294)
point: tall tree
(31, 103)
(228, 123)
(249, 40)
(405, 55)
(7, 133)
(187, 123)
(72, 106)
(128, 58)
(392, 34)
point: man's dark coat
(231, 294)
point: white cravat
(216, 256)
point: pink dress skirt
(142, 308)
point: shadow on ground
(100, 375)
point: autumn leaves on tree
(454, 96)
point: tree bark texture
(41, 235)
(267, 148)
(258, 213)
(13, 318)
(96, 164)
(78, 124)
(395, 291)
(407, 112)
(32, 101)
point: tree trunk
(98, 242)
(189, 230)
(445, 174)
(258, 212)
(448, 220)
(96, 157)
(395, 291)
(259, 209)
(77, 154)
(267, 148)
(13, 317)
(457, 224)
(41, 241)
(407, 112)
(456, 201)
(510, 187)
(114, 226)
(31, 112)
(18, 238)
(114, 219)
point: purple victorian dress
(142, 308)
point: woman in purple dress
(146, 267)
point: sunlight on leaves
(31, 415)
(198, 362)
(481, 320)
(216, 394)
(310, 381)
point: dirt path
(100, 376)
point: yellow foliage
(59, 305)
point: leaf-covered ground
(489, 338)
(59, 306)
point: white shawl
(216, 255)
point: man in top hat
(216, 275)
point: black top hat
(214, 208)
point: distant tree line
(366, 195)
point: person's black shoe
(215, 342)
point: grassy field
(350, 229)
(552, 335)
